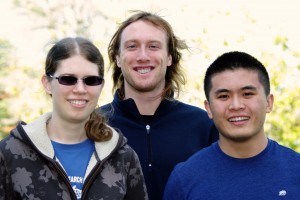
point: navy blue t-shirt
(211, 174)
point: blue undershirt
(75, 158)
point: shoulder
(120, 142)
(104, 108)
(186, 108)
(15, 136)
(126, 158)
(186, 175)
(199, 161)
(6, 141)
(285, 152)
(125, 149)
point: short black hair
(232, 61)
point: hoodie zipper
(149, 146)
(89, 180)
(66, 179)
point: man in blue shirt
(244, 163)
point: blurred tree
(5, 51)
(283, 123)
(61, 18)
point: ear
(118, 61)
(46, 84)
(169, 61)
(270, 102)
(207, 107)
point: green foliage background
(209, 27)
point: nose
(80, 87)
(236, 103)
(142, 54)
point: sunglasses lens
(67, 80)
(72, 80)
(93, 80)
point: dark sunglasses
(72, 80)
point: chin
(238, 138)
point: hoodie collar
(37, 133)
(128, 105)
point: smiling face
(238, 105)
(73, 103)
(143, 58)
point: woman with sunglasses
(70, 153)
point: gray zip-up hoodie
(28, 169)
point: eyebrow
(131, 40)
(248, 87)
(136, 40)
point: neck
(244, 149)
(65, 132)
(146, 102)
